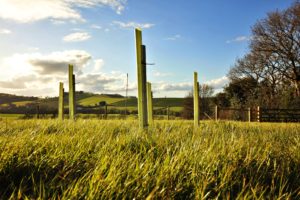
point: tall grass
(93, 159)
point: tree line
(268, 75)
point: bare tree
(273, 62)
(205, 93)
(278, 37)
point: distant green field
(94, 100)
(22, 103)
(118, 103)
(11, 115)
(174, 109)
(175, 104)
(157, 102)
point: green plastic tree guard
(71, 93)
(74, 95)
(249, 114)
(61, 102)
(216, 113)
(141, 78)
(196, 100)
(150, 103)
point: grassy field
(93, 159)
(157, 102)
(91, 101)
(22, 103)
(15, 116)
(116, 103)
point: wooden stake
(141, 78)
(196, 100)
(150, 103)
(61, 101)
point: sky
(39, 38)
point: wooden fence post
(258, 114)
(196, 100)
(216, 113)
(249, 114)
(61, 102)
(141, 78)
(150, 103)
(71, 93)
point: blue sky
(40, 37)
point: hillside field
(117, 102)
(113, 159)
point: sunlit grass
(96, 159)
(94, 100)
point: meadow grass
(93, 159)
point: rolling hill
(84, 99)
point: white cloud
(133, 25)
(25, 11)
(183, 86)
(16, 65)
(30, 85)
(37, 91)
(57, 62)
(57, 22)
(187, 86)
(173, 38)
(39, 74)
(77, 30)
(95, 26)
(41, 64)
(77, 37)
(16, 83)
(218, 83)
(239, 39)
(5, 31)
(98, 64)
(98, 82)
(117, 5)
(119, 85)
(33, 49)
(160, 74)
(32, 10)
(20, 82)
